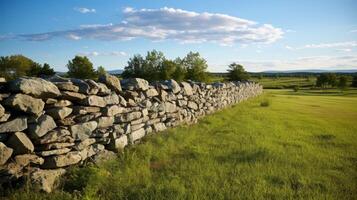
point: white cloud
(174, 24)
(85, 10)
(353, 31)
(73, 37)
(314, 62)
(95, 53)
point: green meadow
(300, 145)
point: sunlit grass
(301, 146)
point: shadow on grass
(258, 155)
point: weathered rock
(20, 143)
(104, 122)
(87, 117)
(118, 143)
(136, 135)
(36, 87)
(82, 110)
(59, 161)
(192, 105)
(135, 84)
(42, 125)
(17, 124)
(111, 81)
(187, 89)
(53, 152)
(26, 159)
(94, 100)
(170, 107)
(57, 135)
(68, 86)
(127, 117)
(59, 112)
(84, 86)
(173, 86)
(111, 99)
(113, 110)
(103, 156)
(46, 180)
(5, 117)
(103, 89)
(73, 96)
(25, 103)
(2, 110)
(159, 127)
(5, 153)
(85, 143)
(60, 103)
(91, 151)
(151, 92)
(59, 145)
(84, 130)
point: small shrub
(296, 88)
(265, 103)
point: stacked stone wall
(47, 125)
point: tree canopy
(81, 67)
(236, 72)
(155, 66)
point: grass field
(302, 146)
(285, 82)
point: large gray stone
(127, 117)
(20, 143)
(135, 84)
(84, 130)
(187, 89)
(36, 87)
(2, 111)
(136, 135)
(159, 127)
(170, 107)
(53, 152)
(42, 125)
(59, 161)
(118, 144)
(46, 180)
(111, 81)
(25, 103)
(17, 124)
(59, 112)
(192, 105)
(56, 135)
(5, 153)
(94, 100)
(68, 86)
(173, 86)
(113, 110)
(111, 99)
(151, 92)
(104, 122)
(73, 96)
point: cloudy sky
(262, 35)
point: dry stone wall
(49, 124)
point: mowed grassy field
(302, 146)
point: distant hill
(116, 71)
(312, 71)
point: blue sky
(262, 35)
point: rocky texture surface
(58, 122)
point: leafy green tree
(236, 72)
(15, 66)
(196, 67)
(354, 81)
(167, 69)
(38, 70)
(325, 80)
(101, 71)
(342, 82)
(81, 67)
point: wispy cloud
(353, 31)
(95, 53)
(173, 24)
(313, 62)
(85, 10)
(340, 45)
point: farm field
(303, 145)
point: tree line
(152, 67)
